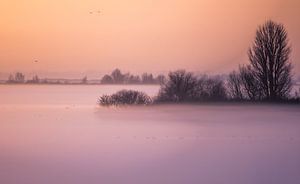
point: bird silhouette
(99, 12)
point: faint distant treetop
(147, 78)
(84, 80)
(35, 80)
(117, 76)
(107, 79)
(11, 78)
(17, 78)
(161, 79)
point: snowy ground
(60, 138)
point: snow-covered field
(57, 135)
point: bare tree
(210, 89)
(180, 86)
(117, 76)
(35, 80)
(147, 78)
(269, 61)
(160, 79)
(17, 78)
(234, 85)
(107, 79)
(215, 89)
(250, 84)
(133, 79)
(11, 79)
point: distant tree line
(117, 77)
(19, 78)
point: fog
(57, 134)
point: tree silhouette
(84, 80)
(35, 80)
(132, 79)
(147, 78)
(209, 88)
(250, 84)
(181, 86)
(125, 97)
(107, 79)
(11, 79)
(160, 79)
(234, 84)
(19, 77)
(117, 76)
(269, 61)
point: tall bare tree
(269, 61)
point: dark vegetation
(267, 78)
(117, 77)
(17, 78)
(183, 86)
(125, 97)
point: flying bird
(99, 12)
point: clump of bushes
(125, 97)
(182, 86)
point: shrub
(182, 86)
(179, 87)
(105, 100)
(210, 89)
(125, 97)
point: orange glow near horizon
(135, 35)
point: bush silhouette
(182, 86)
(125, 97)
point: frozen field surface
(57, 135)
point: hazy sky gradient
(137, 35)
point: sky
(69, 37)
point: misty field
(57, 134)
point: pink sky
(134, 35)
